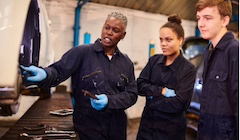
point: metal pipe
(77, 26)
(87, 38)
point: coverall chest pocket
(121, 82)
(93, 81)
(219, 82)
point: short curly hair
(119, 16)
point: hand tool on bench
(47, 135)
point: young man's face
(112, 32)
(210, 22)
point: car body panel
(11, 30)
(21, 22)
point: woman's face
(169, 42)
(112, 32)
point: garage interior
(145, 18)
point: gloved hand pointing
(101, 103)
(169, 93)
(38, 73)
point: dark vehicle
(193, 50)
(24, 35)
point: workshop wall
(142, 27)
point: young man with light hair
(219, 100)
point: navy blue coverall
(164, 118)
(219, 100)
(91, 69)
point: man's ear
(226, 21)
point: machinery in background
(193, 50)
(24, 35)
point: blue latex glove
(38, 73)
(101, 103)
(169, 93)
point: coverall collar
(174, 66)
(225, 40)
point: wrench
(47, 135)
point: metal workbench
(39, 118)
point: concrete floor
(27, 101)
